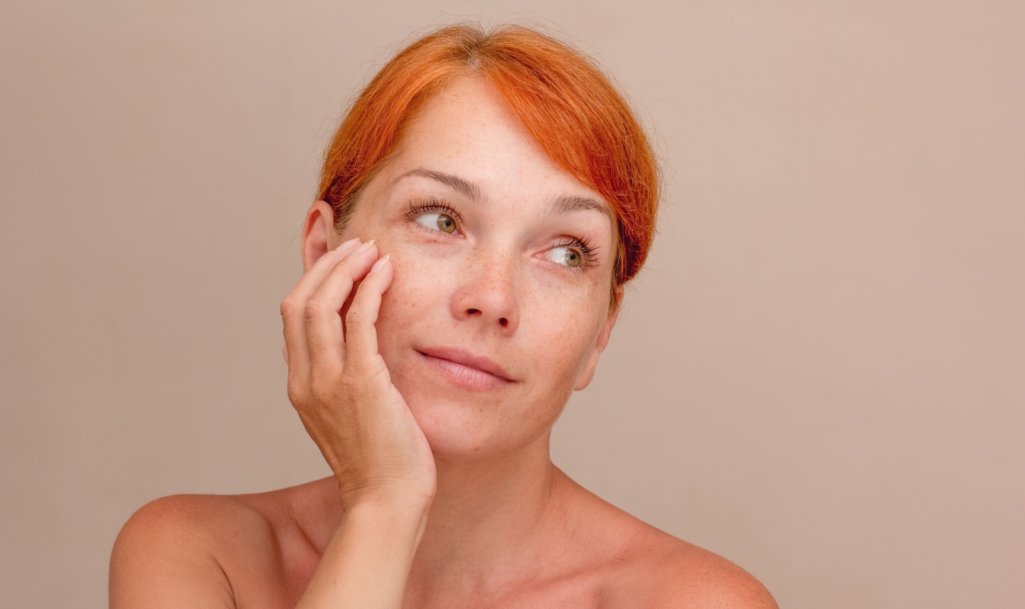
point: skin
(501, 525)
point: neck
(487, 517)
(487, 526)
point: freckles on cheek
(565, 342)
(411, 287)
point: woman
(481, 207)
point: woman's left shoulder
(634, 564)
(667, 572)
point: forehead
(467, 130)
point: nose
(487, 293)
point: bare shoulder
(173, 551)
(668, 572)
(632, 564)
(176, 551)
(194, 520)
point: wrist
(389, 501)
(398, 517)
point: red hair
(559, 95)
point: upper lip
(465, 358)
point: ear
(600, 343)
(319, 235)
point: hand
(340, 385)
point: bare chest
(261, 580)
(281, 587)
(273, 571)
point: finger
(322, 315)
(296, 349)
(361, 331)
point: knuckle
(354, 316)
(296, 392)
(312, 309)
(287, 308)
(325, 393)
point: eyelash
(421, 206)
(588, 252)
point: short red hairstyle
(559, 95)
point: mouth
(466, 369)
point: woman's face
(498, 255)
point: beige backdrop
(819, 375)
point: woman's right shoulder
(172, 550)
(196, 518)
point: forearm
(366, 564)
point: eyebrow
(467, 189)
(566, 203)
(561, 204)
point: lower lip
(465, 376)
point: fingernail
(381, 262)
(348, 246)
(365, 247)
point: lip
(465, 359)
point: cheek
(565, 332)
(414, 293)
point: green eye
(446, 224)
(437, 221)
(567, 256)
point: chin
(461, 431)
(455, 430)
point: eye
(434, 215)
(437, 221)
(566, 255)
(574, 254)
